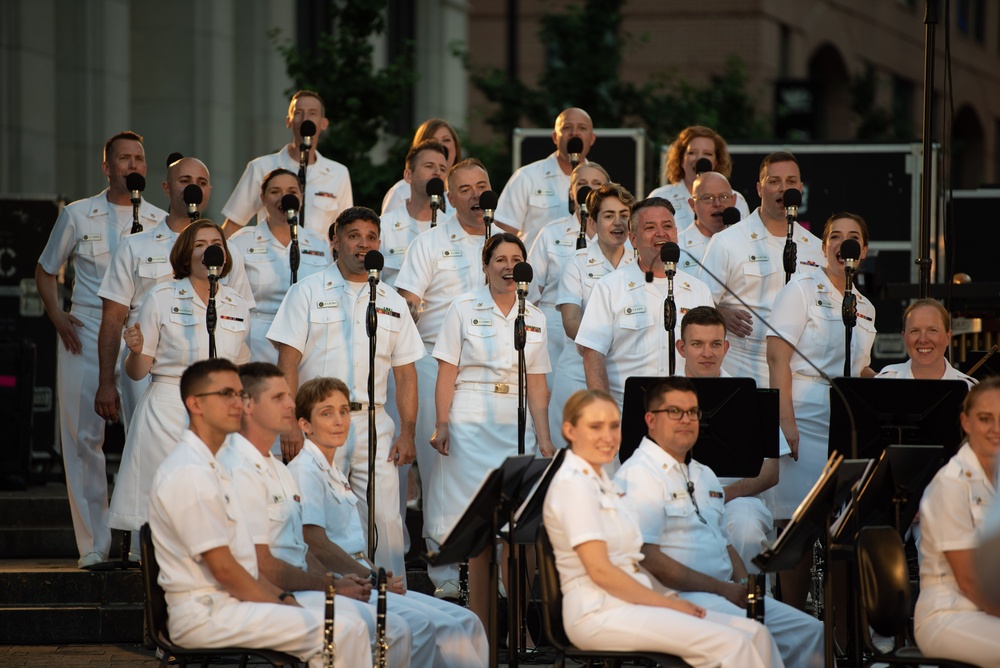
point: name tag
(597, 274)
(678, 495)
(332, 304)
(824, 303)
(257, 250)
(156, 259)
(398, 251)
(483, 322)
(633, 310)
(540, 191)
(183, 310)
(91, 237)
(565, 242)
(758, 258)
(455, 252)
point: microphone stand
(293, 249)
(516, 556)
(670, 320)
(789, 256)
(581, 241)
(211, 314)
(371, 322)
(849, 312)
(303, 164)
(136, 225)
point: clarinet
(329, 645)
(755, 597)
(816, 572)
(381, 645)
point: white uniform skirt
(571, 378)
(261, 349)
(482, 428)
(811, 400)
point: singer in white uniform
(320, 330)
(748, 258)
(535, 195)
(328, 183)
(692, 144)
(954, 618)
(443, 133)
(265, 249)
(926, 335)
(169, 334)
(87, 231)
(608, 220)
(622, 332)
(215, 594)
(712, 195)
(608, 602)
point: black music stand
(528, 517)
(897, 411)
(991, 367)
(737, 431)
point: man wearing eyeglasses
(680, 509)
(712, 195)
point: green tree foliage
(876, 122)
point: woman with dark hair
(440, 131)
(169, 335)
(476, 396)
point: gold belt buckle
(355, 406)
(501, 388)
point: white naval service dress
(582, 505)
(88, 231)
(749, 260)
(270, 501)
(192, 510)
(904, 370)
(172, 322)
(953, 512)
(807, 312)
(678, 195)
(482, 421)
(535, 195)
(270, 276)
(323, 317)
(444, 634)
(656, 490)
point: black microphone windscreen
(135, 181)
(792, 197)
(307, 129)
(289, 203)
(581, 194)
(670, 252)
(435, 187)
(488, 200)
(703, 165)
(174, 157)
(214, 257)
(523, 272)
(850, 250)
(731, 215)
(192, 194)
(374, 260)
(574, 145)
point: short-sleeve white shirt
(583, 271)
(553, 248)
(398, 230)
(678, 195)
(535, 195)
(905, 370)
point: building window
(969, 18)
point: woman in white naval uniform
(169, 335)
(953, 618)
(265, 250)
(608, 602)
(609, 213)
(447, 635)
(926, 335)
(476, 397)
(692, 144)
(440, 131)
(807, 312)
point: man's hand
(403, 451)
(439, 440)
(291, 444)
(107, 402)
(354, 586)
(735, 593)
(791, 432)
(66, 324)
(738, 322)
(394, 584)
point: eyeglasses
(228, 393)
(711, 199)
(675, 413)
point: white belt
(90, 311)
(169, 380)
(493, 388)
(812, 379)
(928, 580)
(745, 343)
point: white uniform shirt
(324, 319)
(624, 322)
(266, 261)
(269, 498)
(328, 191)
(172, 321)
(441, 264)
(807, 312)
(479, 339)
(192, 509)
(584, 270)
(693, 243)
(142, 261)
(88, 230)
(327, 499)
(678, 195)
(655, 487)
(905, 370)
(535, 195)
(553, 248)
(396, 195)
(398, 230)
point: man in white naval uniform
(328, 183)
(712, 195)
(680, 512)
(536, 194)
(320, 331)
(748, 258)
(88, 231)
(216, 595)
(622, 333)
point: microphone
(192, 197)
(731, 215)
(670, 254)
(290, 205)
(488, 203)
(435, 190)
(374, 262)
(850, 251)
(214, 258)
(174, 157)
(581, 199)
(136, 183)
(703, 165)
(792, 199)
(522, 276)
(306, 132)
(574, 147)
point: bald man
(711, 195)
(535, 195)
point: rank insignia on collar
(631, 284)
(182, 292)
(804, 240)
(820, 286)
(753, 235)
(686, 285)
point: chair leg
(244, 658)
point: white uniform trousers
(571, 378)
(948, 625)
(261, 348)
(748, 523)
(353, 460)
(81, 432)
(218, 620)
(131, 390)
(557, 340)
(444, 635)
